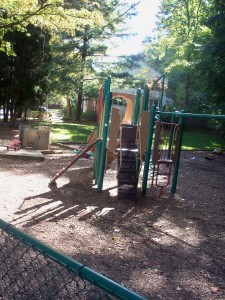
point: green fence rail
(32, 270)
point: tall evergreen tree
(24, 74)
(82, 50)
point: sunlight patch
(113, 192)
(87, 210)
(173, 234)
(104, 211)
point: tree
(24, 75)
(213, 62)
(180, 31)
(56, 15)
(82, 50)
(120, 71)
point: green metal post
(148, 150)
(173, 116)
(135, 120)
(145, 99)
(137, 107)
(108, 104)
(106, 89)
(171, 136)
(96, 161)
(176, 166)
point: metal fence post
(176, 166)
(108, 104)
(137, 106)
(145, 99)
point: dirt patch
(162, 248)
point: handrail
(191, 115)
(157, 80)
(162, 92)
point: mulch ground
(161, 247)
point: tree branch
(24, 17)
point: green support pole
(135, 120)
(108, 104)
(171, 136)
(137, 107)
(106, 89)
(97, 160)
(176, 166)
(148, 150)
(145, 99)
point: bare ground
(162, 248)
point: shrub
(90, 116)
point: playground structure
(129, 137)
(122, 136)
(138, 138)
(143, 139)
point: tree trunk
(5, 114)
(19, 113)
(68, 107)
(79, 102)
(81, 86)
(6, 110)
(186, 90)
(79, 105)
(13, 119)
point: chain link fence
(31, 270)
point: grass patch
(192, 139)
(77, 133)
(71, 133)
(202, 140)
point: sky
(142, 24)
